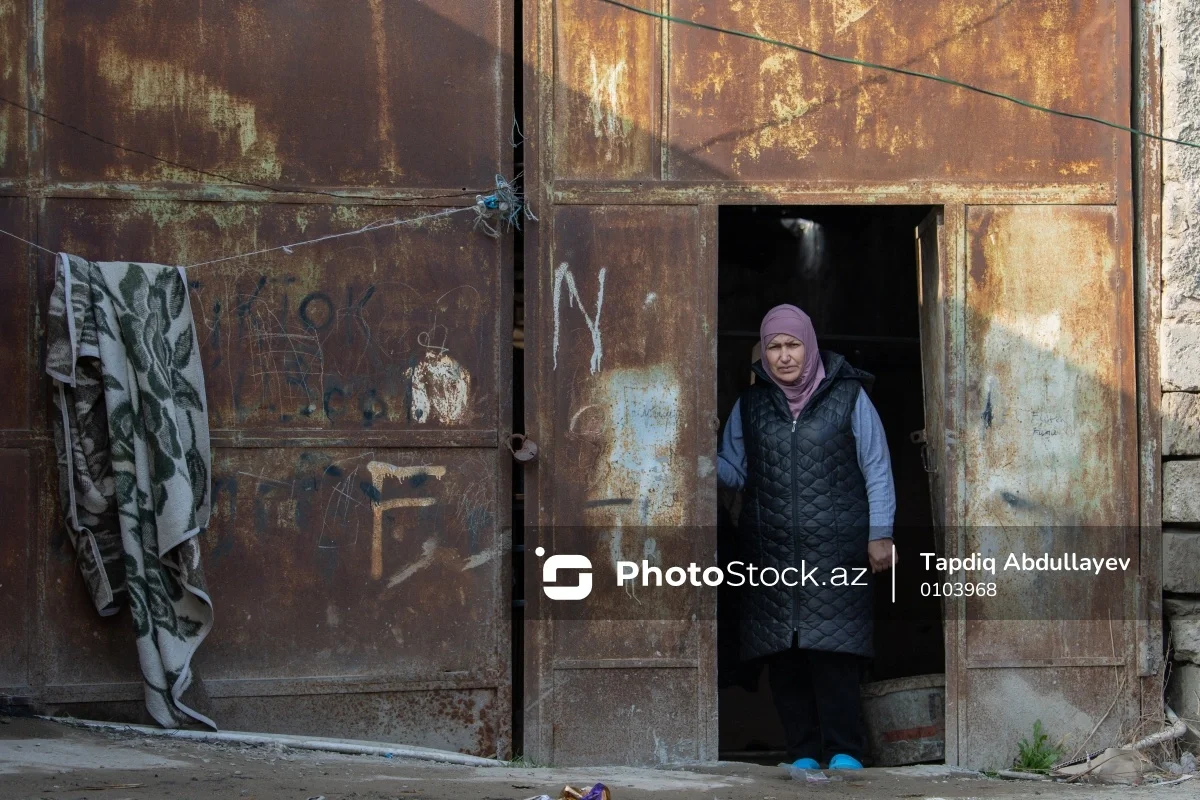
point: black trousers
(817, 696)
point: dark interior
(853, 269)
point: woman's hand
(879, 552)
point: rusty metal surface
(14, 37)
(1003, 703)
(394, 330)
(1147, 205)
(467, 720)
(749, 111)
(953, 269)
(413, 98)
(355, 549)
(1049, 446)
(1050, 363)
(822, 191)
(316, 93)
(16, 568)
(15, 322)
(17, 464)
(608, 89)
(360, 485)
(353, 546)
(623, 395)
(743, 122)
(936, 267)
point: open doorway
(853, 269)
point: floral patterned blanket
(131, 432)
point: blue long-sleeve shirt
(873, 459)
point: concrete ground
(51, 761)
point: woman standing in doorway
(809, 450)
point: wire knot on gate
(504, 208)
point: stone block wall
(1180, 347)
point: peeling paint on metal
(1045, 346)
(642, 445)
(810, 119)
(440, 389)
(848, 12)
(152, 85)
(478, 560)
(1048, 447)
(608, 98)
(781, 116)
(604, 107)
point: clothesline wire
(221, 176)
(26, 241)
(897, 70)
(370, 226)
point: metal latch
(918, 437)
(523, 450)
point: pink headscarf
(794, 322)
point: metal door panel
(331, 494)
(16, 567)
(1003, 703)
(741, 109)
(937, 266)
(1050, 360)
(355, 549)
(14, 128)
(394, 330)
(750, 122)
(313, 93)
(648, 716)
(624, 394)
(608, 90)
(357, 388)
(16, 356)
(81, 648)
(1048, 442)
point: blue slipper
(843, 761)
(805, 763)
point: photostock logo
(568, 561)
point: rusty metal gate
(639, 128)
(358, 389)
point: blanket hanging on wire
(131, 434)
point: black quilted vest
(805, 502)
